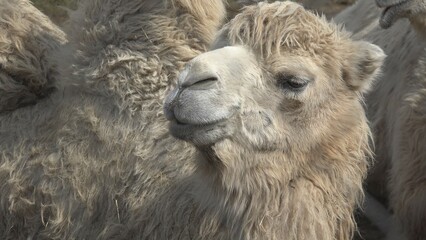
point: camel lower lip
(194, 122)
(195, 125)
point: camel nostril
(203, 84)
(207, 80)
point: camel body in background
(396, 109)
(73, 165)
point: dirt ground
(367, 231)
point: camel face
(396, 9)
(227, 90)
(271, 92)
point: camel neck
(274, 200)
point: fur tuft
(27, 41)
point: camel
(285, 159)
(27, 39)
(275, 113)
(79, 163)
(396, 109)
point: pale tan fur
(290, 165)
(27, 40)
(396, 109)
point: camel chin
(394, 10)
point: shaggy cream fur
(280, 165)
(396, 110)
(27, 39)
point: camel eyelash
(292, 83)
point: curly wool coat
(27, 41)
(79, 164)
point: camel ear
(364, 66)
(221, 39)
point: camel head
(278, 78)
(396, 9)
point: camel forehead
(283, 26)
(218, 54)
(224, 56)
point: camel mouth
(201, 117)
(198, 118)
(178, 124)
(196, 124)
(189, 123)
(202, 134)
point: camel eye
(292, 83)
